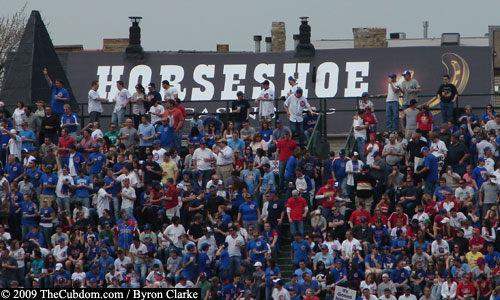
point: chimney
(296, 38)
(305, 48)
(222, 47)
(426, 28)
(257, 39)
(279, 36)
(269, 44)
(134, 48)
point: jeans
(141, 269)
(282, 168)
(63, 204)
(298, 128)
(84, 200)
(447, 111)
(429, 187)
(460, 169)
(392, 115)
(297, 227)
(26, 228)
(309, 135)
(115, 206)
(360, 146)
(47, 234)
(234, 265)
(94, 116)
(177, 140)
(118, 117)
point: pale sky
(202, 24)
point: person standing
(50, 125)
(224, 161)
(147, 135)
(265, 101)
(410, 116)
(410, 88)
(60, 95)
(284, 149)
(294, 107)
(429, 172)
(95, 102)
(138, 103)
(176, 120)
(153, 95)
(447, 94)
(121, 100)
(171, 93)
(296, 210)
(240, 109)
(70, 121)
(359, 129)
(392, 103)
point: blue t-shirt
(249, 211)
(267, 179)
(379, 233)
(82, 191)
(204, 264)
(300, 251)
(34, 176)
(46, 212)
(100, 159)
(479, 174)
(398, 243)
(251, 178)
(72, 118)
(14, 170)
(237, 145)
(378, 258)
(266, 134)
(91, 275)
(271, 272)
(58, 105)
(30, 135)
(291, 165)
(93, 252)
(125, 234)
(398, 276)
(16, 198)
(224, 260)
(431, 162)
(491, 259)
(78, 160)
(196, 139)
(106, 262)
(189, 271)
(146, 131)
(39, 238)
(257, 245)
(440, 193)
(338, 167)
(50, 180)
(28, 209)
(115, 189)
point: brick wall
(114, 45)
(369, 37)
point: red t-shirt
(296, 206)
(479, 241)
(65, 143)
(424, 122)
(466, 289)
(328, 201)
(376, 217)
(357, 215)
(394, 217)
(239, 163)
(176, 115)
(182, 109)
(286, 148)
(171, 192)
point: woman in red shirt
(378, 215)
(429, 205)
(424, 121)
(238, 163)
(384, 205)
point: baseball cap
(59, 266)
(151, 84)
(204, 246)
(94, 266)
(291, 78)
(156, 142)
(97, 145)
(392, 75)
(355, 154)
(248, 292)
(445, 220)
(376, 153)
(413, 101)
(331, 181)
(480, 159)
(61, 240)
(342, 152)
(406, 72)
(443, 211)
(147, 236)
(424, 148)
(298, 91)
(293, 275)
(49, 167)
(438, 237)
(147, 227)
(365, 94)
(128, 279)
(239, 93)
(257, 264)
(160, 212)
(203, 274)
(317, 212)
(278, 121)
(265, 82)
(385, 275)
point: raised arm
(47, 77)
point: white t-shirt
(142, 249)
(232, 249)
(464, 194)
(61, 179)
(158, 109)
(121, 266)
(121, 98)
(132, 178)
(126, 203)
(173, 233)
(102, 202)
(169, 93)
(296, 107)
(199, 155)
(266, 107)
(79, 276)
(438, 148)
(282, 294)
(440, 249)
(97, 134)
(17, 254)
(15, 147)
(391, 95)
(60, 253)
(94, 105)
(358, 121)
(158, 155)
(410, 297)
(347, 246)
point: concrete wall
(369, 37)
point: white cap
(13, 131)
(59, 266)
(318, 212)
(355, 154)
(257, 264)
(385, 275)
(445, 220)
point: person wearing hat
(293, 86)
(360, 128)
(365, 102)
(447, 95)
(352, 168)
(410, 88)
(326, 196)
(392, 103)
(240, 110)
(294, 107)
(296, 210)
(62, 277)
(279, 293)
(265, 102)
(479, 174)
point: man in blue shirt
(430, 169)
(300, 250)
(267, 180)
(400, 276)
(96, 161)
(14, 170)
(60, 95)
(338, 169)
(253, 181)
(49, 184)
(96, 274)
(147, 135)
(301, 270)
(491, 256)
(28, 136)
(479, 174)
(28, 214)
(35, 236)
(74, 160)
(70, 121)
(83, 185)
(257, 248)
(165, 133)
(188, 263)
(236, 143)
(441, 191)
(112, 187)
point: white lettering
(258, 75)
(174, 74)
(352, 69)
(323, 87)
(207, 93)
(302, 71)
(103, 73)
(230, 71)
(140, 71)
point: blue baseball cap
(342, 152)
(406, 72)
(278, 121)
(365, 94)
(298, 91)
(481, 159)
(291, 78)
(94, 266)
(392, 75)
(424, 148)
(147, 227)
(97, 145)
(156, 142)
(160, 212)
